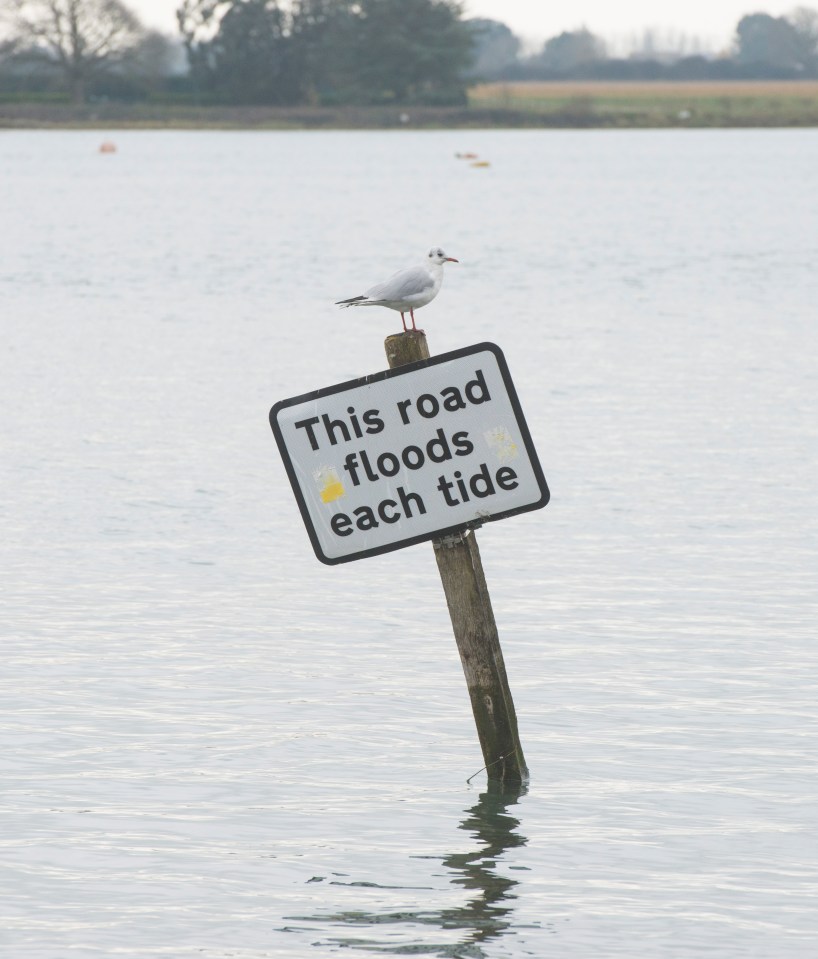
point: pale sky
(713, 21)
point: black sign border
(545, 495)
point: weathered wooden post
(475, 630)
(429, 449)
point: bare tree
(198, 24)
(664, 46)
(80, 38)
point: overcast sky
(713, 21)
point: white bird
(408, 290)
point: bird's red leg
(405, 327)
(412, 314)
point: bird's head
(436, 255)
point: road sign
(409, 454)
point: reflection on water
(485, 916)
(487, 913)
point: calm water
(212, 745)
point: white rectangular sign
(409, 454)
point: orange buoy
(107, 147)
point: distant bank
(567, 105)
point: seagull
(408, 290)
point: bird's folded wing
(409, 282)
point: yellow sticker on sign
(330, 486)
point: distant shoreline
(534, 105)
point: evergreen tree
(249, 55)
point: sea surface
(212, 745)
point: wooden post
(464, 583)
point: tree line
(335, 52)
(327, 51)
(763, 47)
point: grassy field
(657, 104)
(535, 105)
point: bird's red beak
(451, 259)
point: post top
(407, 347)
